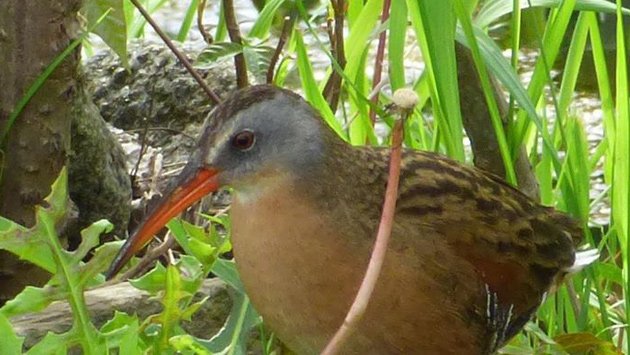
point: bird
(470, 258)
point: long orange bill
(191, 187)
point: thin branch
(286, 28)
(575, 299)
(207, 37)
(166, 129)
(378, 61)
(143, 147)
(213, 97)
(331, 32)
(339, 42)
(143, 142)
(149, 258)
(235, 37)
(333, 85)
(357, 310)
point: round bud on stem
(405, 98)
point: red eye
(244, 140)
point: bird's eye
(244, 140)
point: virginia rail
(470, 258)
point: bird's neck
(348, 183)
(345, 182)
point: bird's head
(256, 136)
(257, 132)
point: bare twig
(378, 61)
(330, 31)
(357, 310)
(574, 298)
(149, 258)
(166, 129)
(213, 97)
(373, 93)
(333, 85)
(143, 141)
(143, 147)
(235, 37)
(207, 37)
(286, 28)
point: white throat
(248, 194)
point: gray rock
(157, 90)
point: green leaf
(90, 238)
(177, 284)
(112, 29)
(226, 271)
(437, 34)
(610, 272)
(181, 234)
(533, 328)
(122, 332)
(100, 261)
(27, 244)
(258, 59)
(585, 343)
(500, 67)
(67, 267)
(170, 314)
(135, 21)
(52, 344)
(363, 29)
(265, 19)
(31, 299)
(396, 40)
(187, 342)
(7, 225)
(195, 241)
(216, 51)
(192, 309)
(493, 10)
(42, 246)
(34, 245)
(205, 252)
(309, 85)
(10, 343)
(552, 40)
(360, 34)
(233, 336)
(152, 281)
(544, 175)
(188, 20)
(191, 274)
(576, 194)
